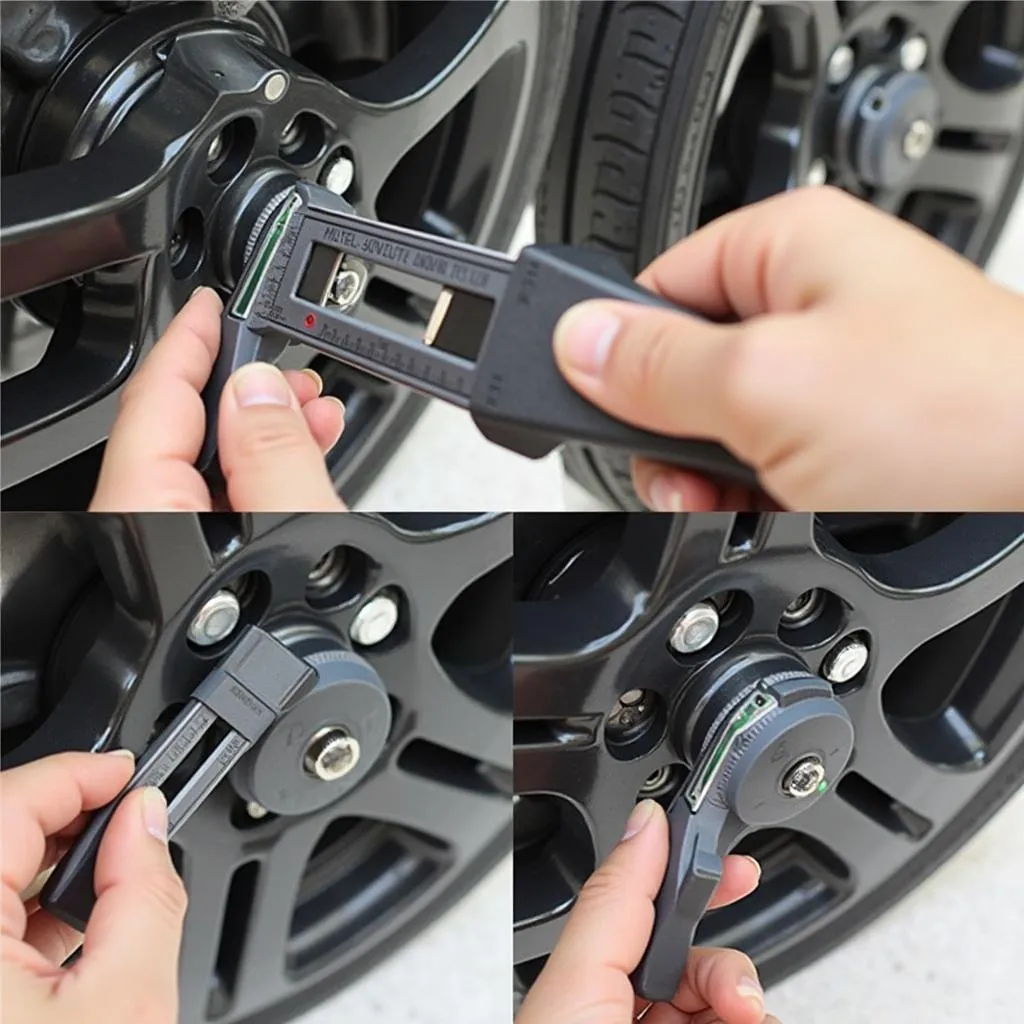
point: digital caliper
(487, 346)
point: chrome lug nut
(331, 754)
(840, 64)
(846, 660)
(275, 86)
(255, 810)
(804, 778)
(695, 628)
(817, 173)
(338, 175)
(632, 708)
(375, 621)
(215, 620)
(918, 139)
(913, 53)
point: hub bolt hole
(186, 246)
(661, 783)
(635, 725)
(337, 579)
(229, 150)
(303, 140)
(812, 618)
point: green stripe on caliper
(253, 279)
(747, 715)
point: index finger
(776, 256)
(40, 799)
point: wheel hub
(327, 742)
(887, 125)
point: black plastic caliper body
(253, 686)
(487, 347)
(765, 743)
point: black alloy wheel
(141, 140)
(677, 112)
(296, 885)
(918, 623)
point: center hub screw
(840, 64)
(846, 660)
(215, 620)
(918, 139)
(695, 628)
(804, 778)
(913, 53)
(375, 621)
(331, 754)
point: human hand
(128, 970)
(273, 429)
(869, 368)
(586, 978)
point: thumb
(133, 938)
(270, 459)
(587, 975)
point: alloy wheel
(298, 881)
(916, 622)
(141, 144)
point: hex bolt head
(255, 810)
(631, 697)
(804, 778)
(275, 86)
(918, 139)
(817, 173)
(216, 619)
(338, 175)
(913, 53)
(375, 621)
(331, 754)
(846, 660)
(695, 628)
(840, 64)
(349, 285)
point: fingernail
(196, 291)
(260, 384)
(757, 865)
(584, 336)
(337, 401)
(121, 753)
(315, 378)
(638, 818)
(154, 813)
(750, 991)
(665, 495)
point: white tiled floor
(950, 953)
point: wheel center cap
(326, 743)
(887, 125)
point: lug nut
(804, 778)
(846, 660)
(255, 810)
(918, 139)
(338, 175)
(657, 780)
(817, 173)
(215, 620)
(631, 697)
(803, 609)
(349, 285)
(375, 620)
(632, 708)
(913, 53)
(275, 86)
(840, 65)
(331, 754)
(695, 629)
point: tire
(622, 177)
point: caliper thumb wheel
(765, 740)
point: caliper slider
(247, 692)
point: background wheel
(936, 699)
(297, 886)
(677, 112)
(429, 114)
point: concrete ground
(949, 953)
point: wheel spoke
(410, 95)
(804, 33)
(463, 818)
(1000, 113)
(961, 172)
(261, 973)
(577, 686)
